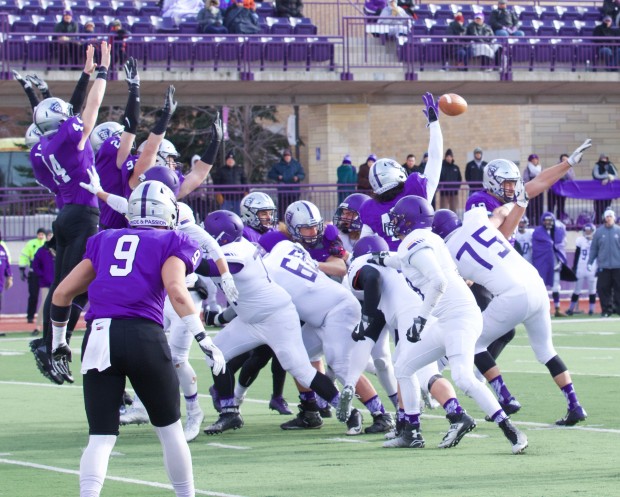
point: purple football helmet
(164, 174)
(369, 244)
(588, 231)
(271, 239)
(410, 213)
(445, 222)
(225, 226)
(343, 220)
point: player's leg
(555, 293)
(574, 298)
(591, 285)
(384, 366)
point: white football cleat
(192, 425)
(134, 416)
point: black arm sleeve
(32, 97)
(79, 94)
(203, 268)
(576, 259)
(369, 279)
(132, 110)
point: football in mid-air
(452, 104)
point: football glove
(521, 197)
(217, 134)
(24, 82)
(94, 186)
(170, 105)
(62, 352)
(379, 258)
(131, 72)
(414, 332)
(214, 356)
(229, 288)
(575, 157)
(359, 332)
(432, 107)
(38, 82)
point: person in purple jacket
(127, 273)
(66, 151)
(43, 267)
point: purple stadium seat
(21, 24)
(547, 29)
(548, 13)
(165, 25)
(140, 24)
(126, 8)
(79, 8)
(521, 53)
(423, 11)
(529, 27)
(101, 8)
(30, 7)
(264, 27)
(275, 51)
(568, 28)
(591, 14)
(586, 28)
(188, 25)
(265, 9)
(569, 13)
(280, 26)
(135, 48)
(440, 28)
(157, 51)
(45, 24)
(529, 13)
(305, 29)
(229, 50)
(298, 51)
(15, 48)
(444, 14)
(205, 49)
(182, 52)
(9, 6)
(322, 50)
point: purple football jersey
(128, 266)
(68, 164)
(483, 199)
(43, 175)
(374, 213)
(251, 235)
(126, 172)
(111, 182)
(329, 245)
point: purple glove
(432, 107)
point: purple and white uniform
(126, 287)
(374, 214)
(112, 181)
(329, 245)
(251, 235)
(67, 164)
(43, 175)
(483, 199)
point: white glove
(94, 186)
(521, 197)
(589, 268)
(575, 157)
(229, 288)
(214, 356)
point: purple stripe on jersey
(143, 207)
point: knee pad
(593, 298)
(380, 364)
(556, 366)
(432, 380)
(507, 337)
(484, 361)
(574, 297)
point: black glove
(62, 352)
(414, 332)
(360, 330)
(131, 72)
(166, 113)
(23, 272)
(216, 138)
(378, 258)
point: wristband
(102, 73)
(194, 326)
(60, 314)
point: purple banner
(588, 189)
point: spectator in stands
(421, 167)
(450, 174)
(43, 267)
(482, 48)
(395, 27)
(288, 172)
(603, 171)
(409, 164)
(408, 6)
(374, 7)
(289, 8)
(610, 54)
(210, 19)
(347, 178)
(456, 28)
(611, 8)
(474, 171)
(557, 202)
(605, 250)
(6, 275)
(363, 184)
(25, 267)
(68, 47)
(239, 20)
(535, 205)
(505, 21)
(230, 174)
(117, 38)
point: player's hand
(432, 107)
(8, 283)
(63, 351)
(170, 105)
(521, 197)
(89, 64)
(379, 258)
(589, 268)
(24, 82)
(359, 332)
(575, 157)
(23, 273)
(38, 82)
(105, 54)
(215, 358)
(131, 72)
(229, 288)
(414, 332)
(94, 186)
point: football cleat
(229, 419)
(511, 407)
(43, 361)
(134, 415)
(280, 405)
(516, 437)
(326, 412)
(429, 401)
(382, 423)
(192, 425)
(215, 398)
(343, 411)
(354, 423)
(573, 416)
(460, 424)
(559, 314)
(305, 420)
(408, 438)
(392, 434)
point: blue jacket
(288, 171)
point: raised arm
(132, 112)
(435, 145)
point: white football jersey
(484, 256)
(313, 292)
(457, 293)
(259, 295)
(396, 293)
(525, 240)
(582, 264)
(347, 243)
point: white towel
(97, 353)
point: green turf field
(43, 431)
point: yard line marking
(350, 440)
(121, 479)
(223, 446)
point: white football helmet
(152, 204)
(386, 174)
(166, 149)
(102, 132)
(186, 215)
(495, 173)
(33, 135)
(303, 214)
(50, 114)
(251, 204)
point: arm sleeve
(207, 243)
(369, 279)
(32, 97)
(576, 259)
(207, 267)
(593, 249)
(79, 94)
(436, 283)
(433, 166)
(118, 203)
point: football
(452, 104)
